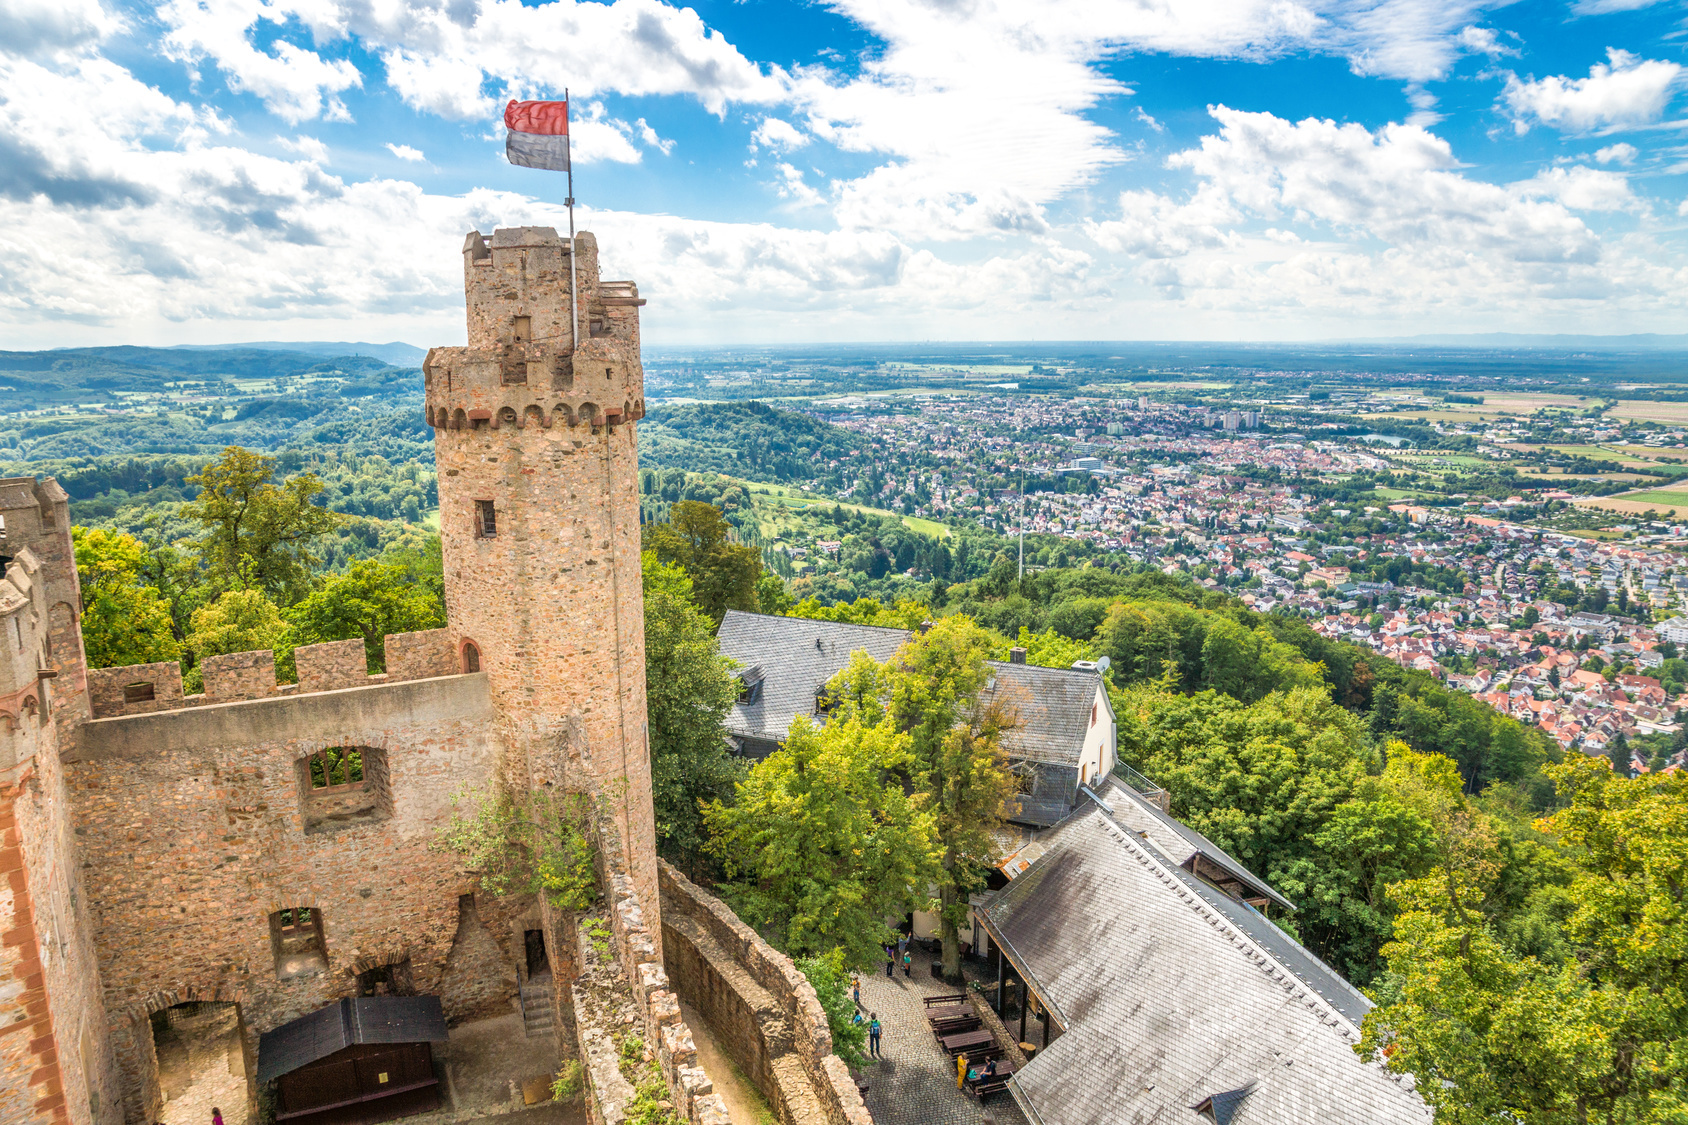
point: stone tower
(537, 451)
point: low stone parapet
(763, 1011)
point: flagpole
(574, 284)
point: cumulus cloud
(38, 28)
(1625, 91)
(294, 83)
(779, 135)
(1366, 221)
(405, 152)
(308, 147)
(1621, 153)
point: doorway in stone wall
(538, 966)
(201, 1063)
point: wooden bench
(984, 1090)
(966, 1042)
(945, 1001)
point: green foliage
(746, 439)
(241, 621)
(570, 1082)
(540, 846)
(689, 689)
(1494, 1035)
(371, 600)
(831, 982)
(823, 843)
(955, 738)
(124, 620)
(724, 574)
(863, 611)
(255, 534)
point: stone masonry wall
(331, 665)
(621, 990)
(192, 832)
(54, 1053)
(761, 1009)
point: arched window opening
(471, 657)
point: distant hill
(743, 439)
(396, 353)
(31, 380)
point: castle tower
(537, 451)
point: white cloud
(1581, 189)
(308, 147)
(1483, 41)
(779, 135)
(1148, 119)
(295, 84)
(665, 145)
(37, 28)
(1375, 223)
(1627, 91)
(1621, 153)
(1604, 7)
(405, 152)
(792, 186)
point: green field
(791, 500)
(1663, 497)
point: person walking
(890, 965)
(216, 1116)
(873, 1036)
(908, 964)
(856, 989)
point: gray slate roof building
(1053, 705)
(1168, 993)
(784, 662)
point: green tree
(823, 844)
(1495, 1036)
(831, 982)
(239, 621)
(955, 736)
(697, 538)
(255, 533)
(371, 599)
(124, 621)
(689, 689)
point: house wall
(1101, 740)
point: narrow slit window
(486, 519)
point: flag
(538, 134)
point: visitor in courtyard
(216, 1116)
(908, 964)
(890, 965)
(873, 1036)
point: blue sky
(202, 171)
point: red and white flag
(538, 135)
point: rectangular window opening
(524, 329)
(138, 693)
(486, 519)
(296, 940)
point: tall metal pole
(574, 284)
(1022, 524)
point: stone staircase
(536, 1007)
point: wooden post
(999, 979)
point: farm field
(791, 501)
(1659, 500)
(1640, 410)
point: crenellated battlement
(522, 365)
(144, 689)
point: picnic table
(946, 1000)
(956, 1044)
(946, 1015)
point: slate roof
(1178, 841)
(794, 657)
(345, 1023)
(1171, 994)
(1054, 709)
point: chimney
(1016, 655)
